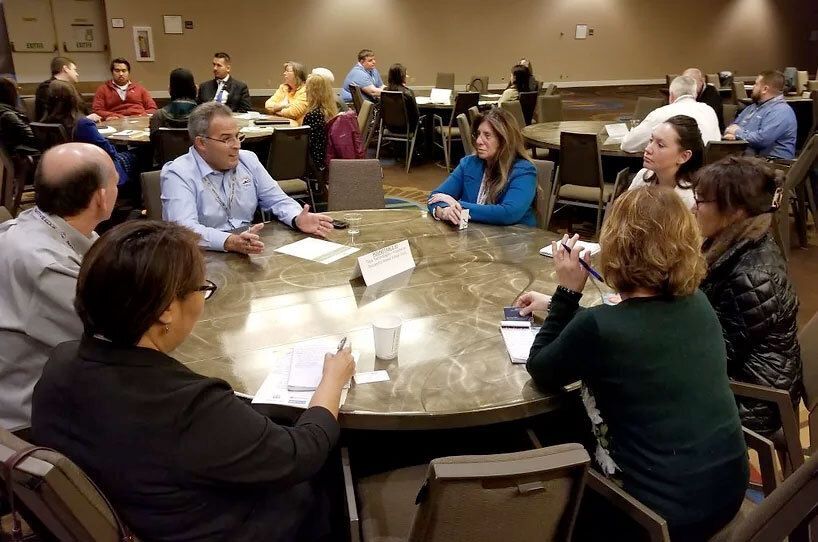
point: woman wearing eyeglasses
(747, 282)
(177, 453)
(216, 187)
(653, 368)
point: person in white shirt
(673, 155)
(682, 102)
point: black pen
(587, 267)
(341, 344)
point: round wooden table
(546, 135)
(452, 368)
(139, 128)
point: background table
(452, 369)
(547, 135)
(142, 122)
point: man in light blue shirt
(216, 187)
(768, 124)
(365, 76)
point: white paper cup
(387, 336)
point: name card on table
(384, 263)
(617, 130)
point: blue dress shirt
(769, 127)
(361, 77)
(515, 205)
(188, 186)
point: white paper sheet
(618, 130)
(370, 377)
(423, 100)
(441, 95)
(584, 245)
(317, 250)
(273, 390)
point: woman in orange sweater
(290, 100)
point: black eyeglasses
(228, 140)
(700, 201)
(209, 289)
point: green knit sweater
(656, 368)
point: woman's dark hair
(62, 106)
(737, 182)
(520, 76)
(132, 274)
(8, 92)
(182, 85)
(689, 139)
(396, 77)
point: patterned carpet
(402, 197)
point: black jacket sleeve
(244, 104)
(15, 130)
(223, 440)
(568, 336)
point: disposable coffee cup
(387, 336)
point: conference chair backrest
(808, 338)
(444, 80)
(465, 134)
(549, 108)
(152, 194)
(463, 101)
(472, 113)
(739, 92)
(393, 112)
(478, 83)
(516, 111)
(48, 134)
(288, 152)
(525, 496)
(545, 174)
(645, 105)
(365, 116)
(580, 161)
(528, 102)
(4, 214)
(8, 180)
(716, 150)
(729, 112)
(59, 495)
(355, 184)
(551, 89)
(29, 108)
(796, 174)
(357, 97)
(171, 143)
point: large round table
(452, 369)
(546, 135)
(112, 129)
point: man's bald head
(69, 175)
(697, 76)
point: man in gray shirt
(75, 190)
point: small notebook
(307, 367)
(593, 247)
(518, 338)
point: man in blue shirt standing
(768, 124)
(216, 187)
(365, 75)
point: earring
(167, 329)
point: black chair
(528, 101)
(287, 161)
(48, 134)
(357, 97)
(152, 194)
(462, 102)
(716, 150)
(170, 143)
(397, 124)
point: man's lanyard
(220, 201)
(54, 227)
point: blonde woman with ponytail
(497, 183)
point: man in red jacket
(120, 97)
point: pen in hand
(341, 344)
(584, 264)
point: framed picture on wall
(143, 43)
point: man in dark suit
(707, 94)
(224, 88)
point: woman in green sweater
(653, 367)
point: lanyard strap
(229, 204)
(54, 227)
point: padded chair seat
(585, 193)
(387, 503)
(455, 132)
(293, 186)
(726, 534)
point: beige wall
(633, 39)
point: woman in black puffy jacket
(747, 282)
(15, 133)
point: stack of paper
(518, 338)
(317, 250)
(584, 245)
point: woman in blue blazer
(497, 184)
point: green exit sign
(35, 45)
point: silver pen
(341, 344)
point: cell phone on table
(339, 224)
(264, 122)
